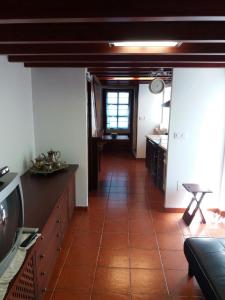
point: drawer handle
(43, 273)
(42, 256)
(44, 290)
(59, 249)
(57, 235)
(58, 221)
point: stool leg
(202, 216)
(201, 213)
(188, 217)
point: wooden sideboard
(49, 202)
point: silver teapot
(53, 156)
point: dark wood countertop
(41, 194)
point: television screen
(10, 221)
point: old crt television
(11, 218)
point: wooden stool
(195, 189)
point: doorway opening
(121, 115)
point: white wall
(16, 121)
(60, 119)
(149, 116)
(197, 112)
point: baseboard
(174, 210)
(182, 210)
(215, 210)
(222, 213)
(218, 211)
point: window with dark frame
(117, 105)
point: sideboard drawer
(46, 261)
(64, 214)
(51, 226)
(47, 249)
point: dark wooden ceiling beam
(104, 49)
(134, 74)
(109, 32)
(117, 72)
(124, 69)
(123, 82)
(133, 78)
(118, 59)
(149, 65)
(31, 11)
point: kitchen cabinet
(152, 158)
(160, 168)
(156, 161)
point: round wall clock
(157, 86)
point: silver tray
(34, 170)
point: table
(190, 212)
(118, 137)
(118, 143)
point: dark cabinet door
(160, 168)
(147, 159)
(153, 148)
(155, 156)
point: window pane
(112, 125)
(124, 98)
(123, 110)
(111, 122)
(123, 125)
(123, 122)
(112, 94)
(111, 110)
(112, 98)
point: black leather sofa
(206, 258)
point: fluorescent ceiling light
(131, 78)
(146, 44)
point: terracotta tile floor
(125, 246)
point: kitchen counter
(160, 140)
(156, 158)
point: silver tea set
(48, 162)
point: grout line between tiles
(129, 252)
(100, 242)
(160, 257)
(61, 269)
